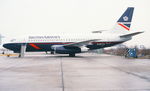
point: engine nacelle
(66, 50)
(84, 49)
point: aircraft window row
(60, 40)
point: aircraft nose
(12, 46)
(9, 46)
(6, 46)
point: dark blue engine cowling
(67, 50)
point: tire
(52, 52)
(72, 55)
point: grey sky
(29, 17)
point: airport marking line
(8, 54)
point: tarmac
(86, 72)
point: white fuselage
(101, 37)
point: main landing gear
(72, 55)
(52, 52)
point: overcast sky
(30, 17)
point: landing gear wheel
(72, 55)
(19, 55)
(52, 52)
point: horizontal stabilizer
(131, 34)
(99, 31)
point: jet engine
(66, 49)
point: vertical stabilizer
(124, 22)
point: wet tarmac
(86, 72)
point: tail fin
(124, 22)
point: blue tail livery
(126, 19)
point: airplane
(76, 43)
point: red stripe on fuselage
(56, 43)
(124, 26)
(33, 45)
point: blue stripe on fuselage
(47, 46)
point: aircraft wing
(80, 44)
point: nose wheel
(22, 50)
